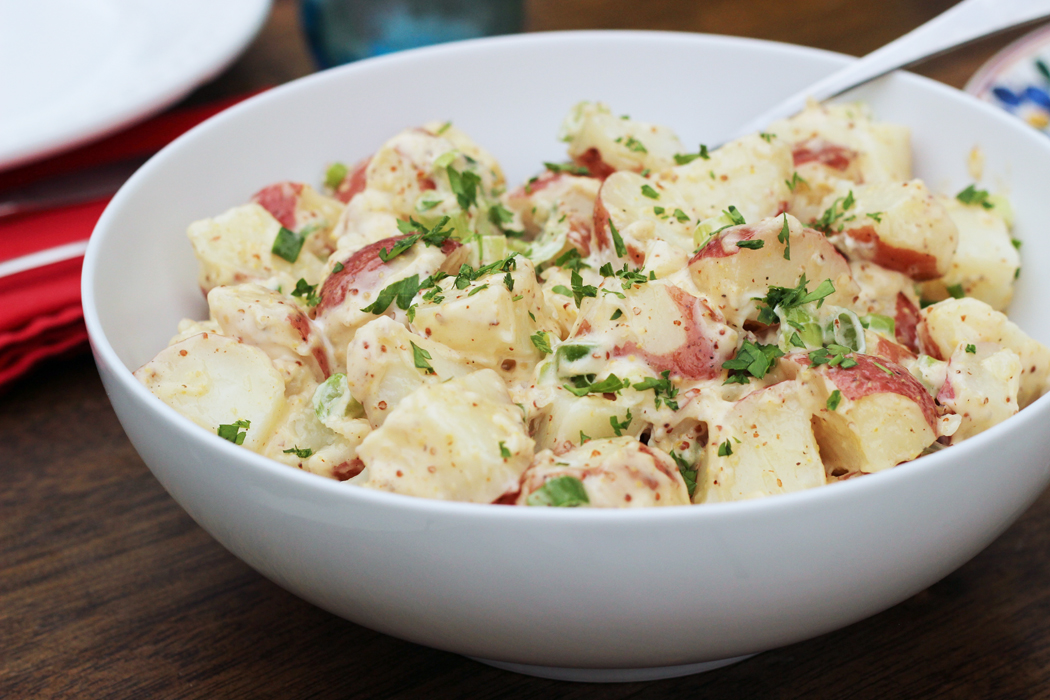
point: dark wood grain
(108, 589)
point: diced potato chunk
(981, 387)
(386, 367)
(214, 380)
(985, 261)
(733, 276)
(461, 440)
(604, 142)
(900, 226)
(615, 473)
(237, 247)
(763, 446)
(955, 323)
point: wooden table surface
(108, 589)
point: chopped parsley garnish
(956, 291)
(635, 145)
(834, 213)
(663, 389)
(503, 451)
(498, 215)
(465, 186)
(584, 438)
(833, 356)
(972, 195)
(877, 215)
(570, 260)
(688, 472)
(834, 400)
(288, 244)
(338, 268)
(734, 215)
(420, 357)
(751, 244)
(307, 291)
(443, 128)
(785, 237)
(795, 181)
(887, 370)
(233, 432)
(972, 349)
(650, 192)
(477, 289)
(559, 492)
(751, 360)
(659, 211)
(571, 353)
(620, 426)
(401, 291)
(335, 175)
(725, 449)
(434, 237)
(1015, 243)
(789, 298)
(570, 168)
(579, 289)
(628, 278)
(681, 216)
(684, 158)
(518, 297)
(768, 138)
(616, 314)
(585, 384)
(542, 342)
(508, 282)
(621, 249)
(301, 453)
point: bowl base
(612, 675)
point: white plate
(74, 70)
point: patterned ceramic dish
(1018, 79)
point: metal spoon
(969, 20)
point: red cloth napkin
(40, 312)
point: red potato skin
(301, 324)
(906, 323)
(699, 357)
(892, 351)
(867, 378)
(820, 151)
(725, 244)
(348, 470)
(281, 200)
(918, 266)
(356, 273)
(355, 181)
(592, 160)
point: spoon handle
(964, 22)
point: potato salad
(643, 324)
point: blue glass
(340, 31)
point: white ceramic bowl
(578, 593)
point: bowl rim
(106, 356)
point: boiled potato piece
(612, 473)
(301, 208)
(271, 322)
(642, 210)
(733, 276)
(387, 368)
(763, 446)
(898, 225)
(985, 261)
(214, 380)
(750, 173)
(954, 323)
(461, 440)
(237, 247)
(604, 143)
(880, 417)
(981, 387)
